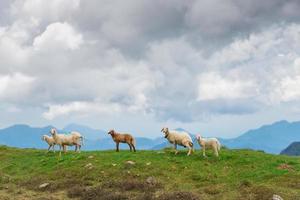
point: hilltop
(292, 150)
(237, 174)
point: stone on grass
(44, 185)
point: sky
(213, 67)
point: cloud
(79, 108)
(212, 86)
(171, 60)
(15, 86)
(58, 35)
(44, 12)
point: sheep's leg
(76, 147)
(216, 151)
(79, 147)
(53, 148)
(175, 147)
(65, 148)
(129, 146)
(117, 146)
(190, 151)
(203, 151)
(59, 150)
(133, 147)
(49, 148)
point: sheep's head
(165, 131)
(53, 131)
(111, 132)
(198, 137)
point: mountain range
(271, 138)
(292, 150)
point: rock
(114, 164)
(130, 162)
(89, 166)
(44, 185)
(91, 157)
(276, 197)
(151, 180)
(148, 163)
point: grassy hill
(237, 174)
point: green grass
(236, 174)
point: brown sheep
(122, 138)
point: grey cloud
(146, 55)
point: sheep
(212, 143)
(179, 138)
(122, 138)
(74, 138)
(50, 142)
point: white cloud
(289, 89)
(15, 87)
(58, 35)
(213, 86)
(79, 108)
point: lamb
(63, 140)
(212, 143)
(122, 138)
(178, 138)
(50, 142)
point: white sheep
(74, 138)
(178, 138)
(50, 142)
(212, 143)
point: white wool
(179, 138)
(209, 143)
(50, 141)
(74, 138)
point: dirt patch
(95, 193)
(133, 184)
(179, 196)
(285, 166)
(256, 193)
(116, 190)
(245, 184)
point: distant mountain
(24, 136)
(292, 150)
(269, 138)
(87, 132)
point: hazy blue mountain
(24, 136)
(292, 150)
(87, 132)
(269, 138)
